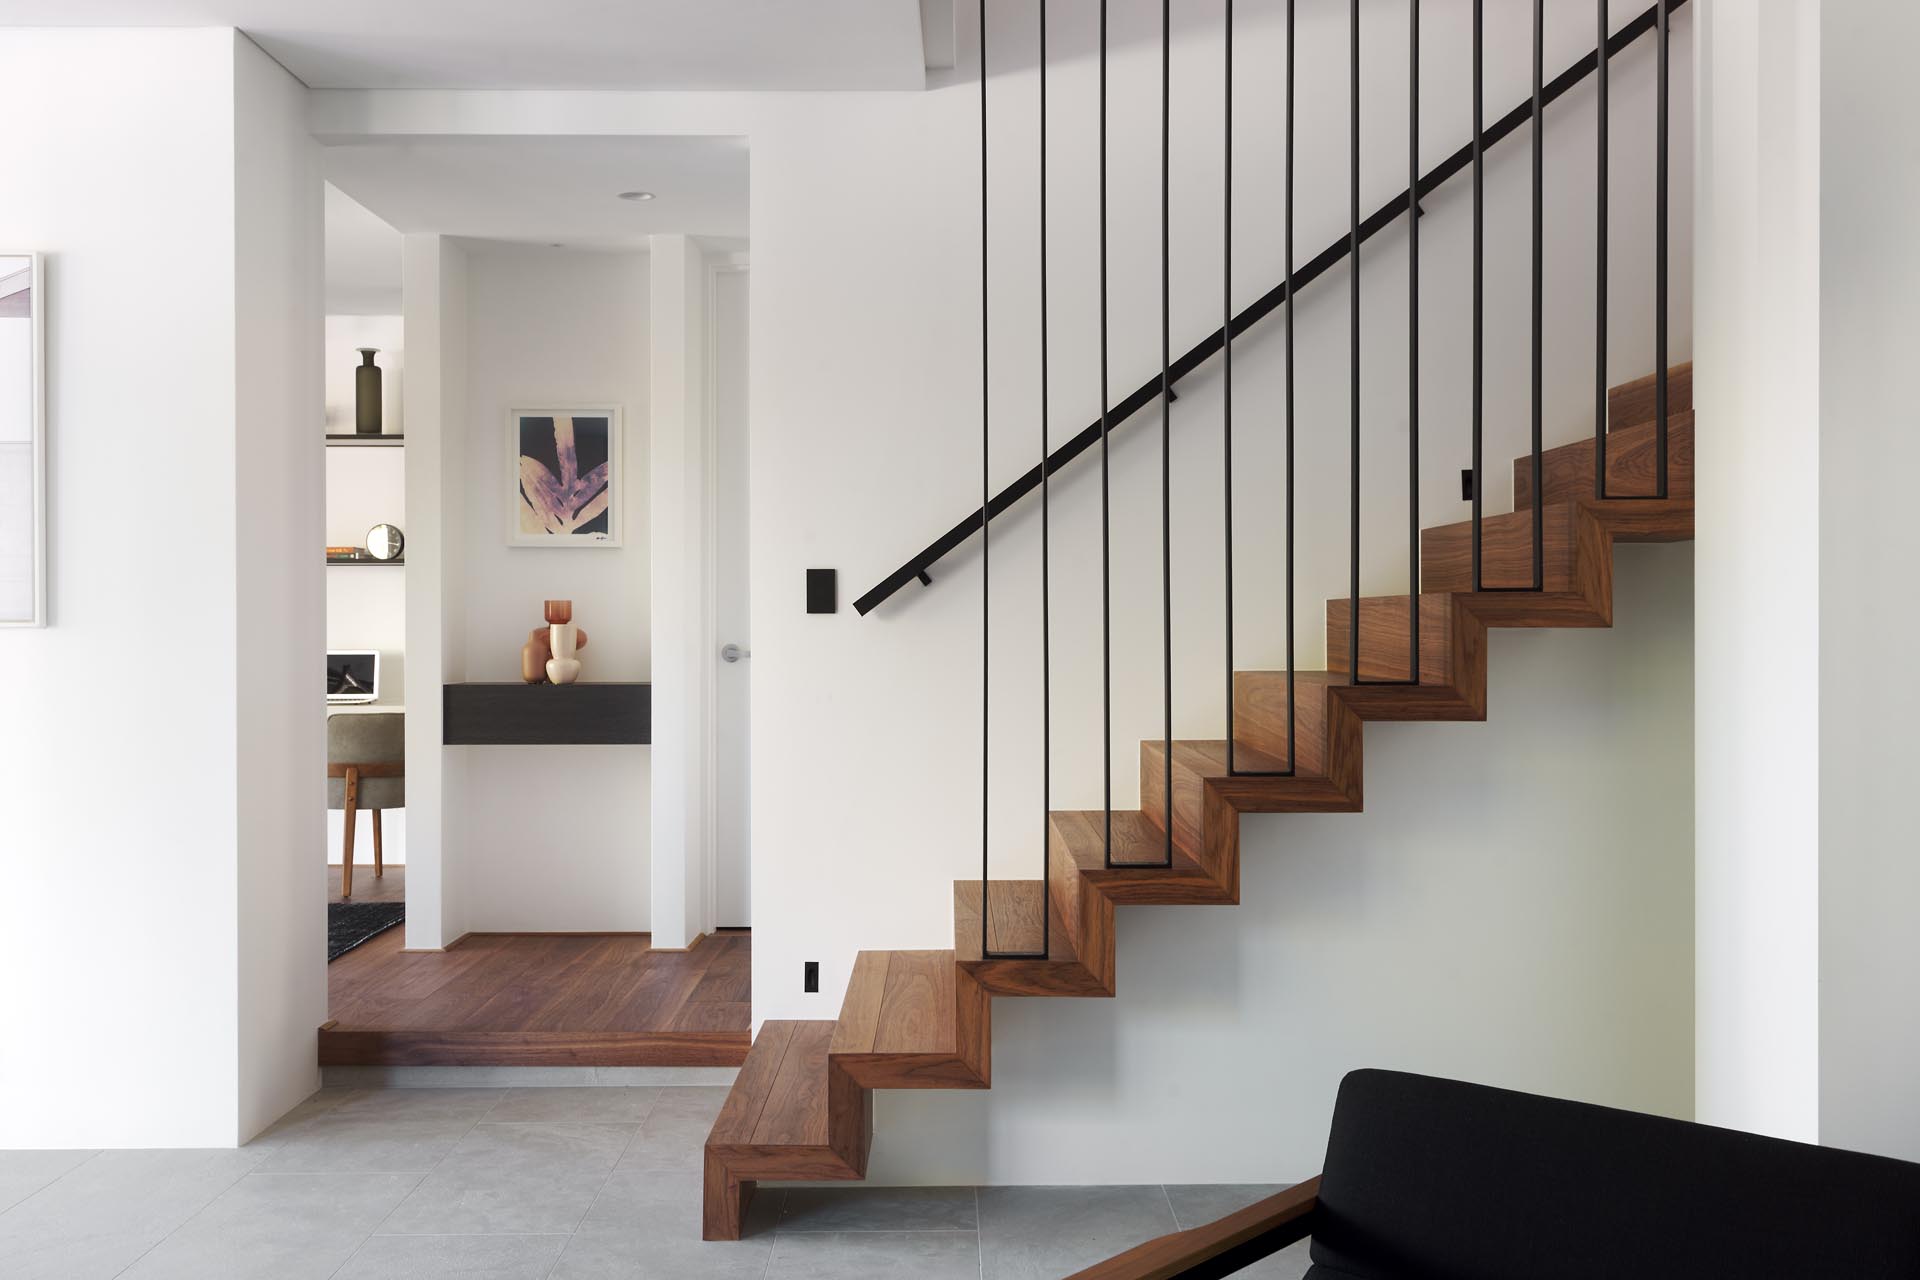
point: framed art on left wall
(23, 441)
(568, 477)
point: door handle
(733, 653)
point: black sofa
(1438, 1180)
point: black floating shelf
(517, 714)
(354, 564)
(364, 442)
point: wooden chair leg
(346, 852)
(379, 865)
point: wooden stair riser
(1577, 557)
(1632, 403)
(1453, 658)
(1079, 849)
(790, 1116)
(1079, 963)
(1566, 473)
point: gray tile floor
(537, 1184)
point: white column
(1808, 297)
(434, 313)
(680, 641)
(1757, 531)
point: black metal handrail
(1266, 304)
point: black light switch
(823, 594)
(1466, 484)
(812, 976)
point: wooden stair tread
(912, 1020)
(780, 1095)
(898, 1002)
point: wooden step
(1566, 472)
(1015, 918)
(1206, 795)
(1577, 567)
(787, 1117)
(913, 1020)
(1452, 658)
(1631, 403)
(1139, 849)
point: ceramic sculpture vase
(564, 666)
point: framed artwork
(23, 441)
(567, 476)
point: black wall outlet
(813, 975)
(1466, 484)
(823, 595)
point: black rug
(351, 923)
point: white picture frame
(23, 441)
(555, 498)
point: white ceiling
(549, 189)
(553, 44)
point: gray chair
(366, 769)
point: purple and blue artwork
(566, 478)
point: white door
(732, 838)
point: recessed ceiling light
(636, 195)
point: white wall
(281, 615)
(203, 441)
(558, 838)
(1869, 315)
(865, 447)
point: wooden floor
(391, 887)
(519, 999)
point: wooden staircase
(802, 1107)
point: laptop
(353, 675)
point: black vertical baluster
(1600, 270)
(1660, 256)
(986, 512)
(1292, 761)
(1353, 340)
(1413, 343)
(1226, 361)
(1046, 616)
(1539, 288)
(1106, 491)
(1479, 281)
(1166, 407)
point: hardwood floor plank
(604, 999)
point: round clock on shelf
(384, 542)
